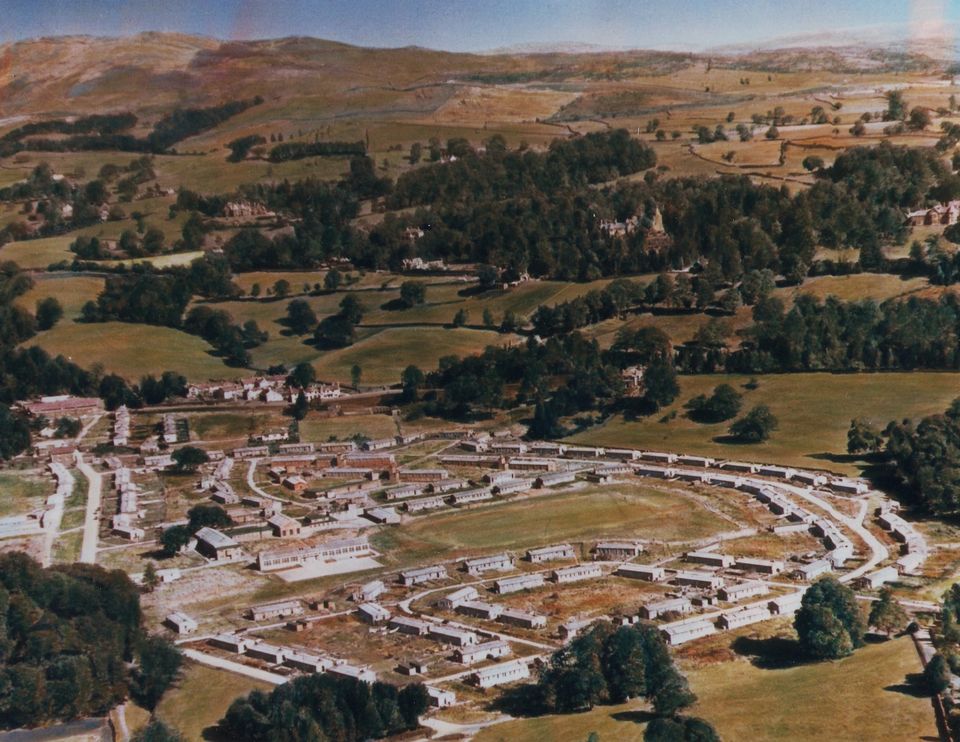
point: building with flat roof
(550, 553)
(576, 573)
(505, 672)
(478, 565)
(277, 609)
(520, 582)
(491, 650)
(423, 574)
(373, 613)
(646, 572)
(181, 623)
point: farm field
(72, 291)
(133, 350)
(321, 429)
(814, 411)
(585, 514)
(20, 492)
(867, 700)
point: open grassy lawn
(318, 429)
(854, 699)
(134, 350)
(857, 698)
(623, 509)
(814, 411)
(384, 356)
(20, 493)
(38, 253)
(72, 291)
(216, 425)
(201, 697)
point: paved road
(235, 667)
(53, 517)
(253, 485)
(91, 526)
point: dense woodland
(70, 635)
(323, 707)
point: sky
(476, 25)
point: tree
(173, 539)
(660, 384)
(722, 405)
(49, 312)
(158, 668)
(188, 458)
(679, 729)
(153, 241)
(255, 290)
(896, 106)
(812, 162)
(150, 578)
(300, 317)
(411, 379)
(207, 516)
(300, 407)
(887, 615)
(281, 288)
(829, 623)
(488, 318)
(936, 675)
(302, 376)
(355, 375)
(863, 437)
(756, 426)
(14, 433)
(333, 279)
(919, 119)
(351, 309)
(412, 293)
(773, 133)
(416, 150)
(461, 318)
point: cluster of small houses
(271, 389)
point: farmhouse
(651, 611)
(283, 526)
(423, 574)
(515, 584)
(452, 600)
(425, 503)
(523, 619)
(742, 591)
(373, 613)
(763, 566)
(610, 551)
(422, 475)
(307, 662)
(786, 605)
(279, 609)
(479, 565)
(441, 698)
(216, 545)
(475, 495)
(369, 592)
(702, 580)
(479, 609)
(555, 478)
(267, 653)
(550, 553)
(452, 635)
(576, 573)
(383, 515)
(506, 672)
(181, 623)
(812, 570)
(412, 626)
(491, 650)
(354, 673)
(682, 632)
(745, 617)
(649, 573)
(710, 558)
(230, 642)
(877, 579)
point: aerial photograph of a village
(495, 370)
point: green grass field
(814, 411)
(384, 356)
(625, 510)
(20, 493)
(201, 697)
(322, 429)
(134, 350)
(850, 700)
(39, 253)
(72, 291)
